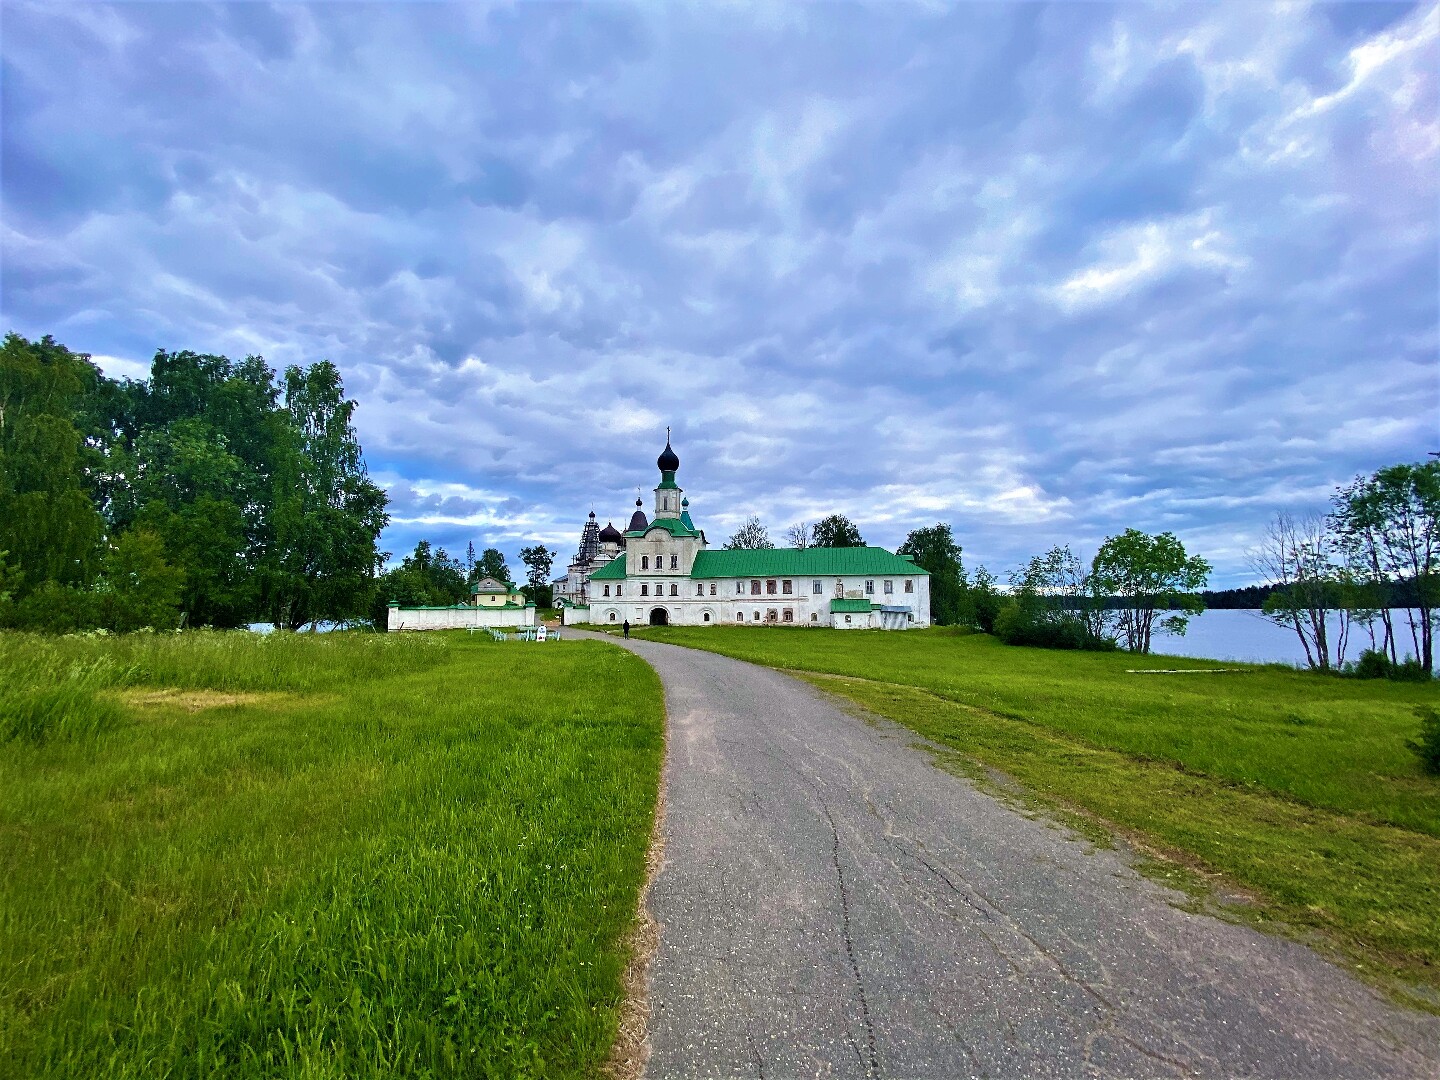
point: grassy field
(318, 856)
(1296, 787)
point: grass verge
(317, 856)
(1326, 822)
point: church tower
(668, 494)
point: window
(755, 615)
(619, 589)
(814, 617)
(788, 615)
(754, 588)
(607, 590)
(739, 588)
(739, 616)
(644, 589)
(699, 589)
(869, 588)
(847, 620)
(644, 562)
(712, 588)
(786, 587)
(816, 587)
(889, 587)
(674, 588)
(674, 562)
(770, 588)
(612, 616)
(909, 584)
(705, 617)
(770, 616)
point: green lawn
(322, 856)
(1297, 787)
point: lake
(1248, 635)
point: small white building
(668, 575)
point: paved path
(832, 904)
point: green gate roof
(862, 606)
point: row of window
(659, 559)
(785, 587)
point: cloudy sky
(1040, 272)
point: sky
(1041, 272)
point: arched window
(607, 590)
(619, 589)
(788, 615)
(612, 616)
(644, 562)
(674, 562)
(706, 617)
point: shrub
(1427, 747)
(1021, 624)
(1374, 664)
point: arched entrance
(659, 617)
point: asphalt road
(833, 904)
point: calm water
(1247, 635)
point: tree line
(213, 493)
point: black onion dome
(638, 520)
(667, 461)
(610, 534)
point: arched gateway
(659, 617)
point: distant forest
(1396, 594)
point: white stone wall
(456, 618)
(688, 609)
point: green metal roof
(614, 570)
(863, 606)
(803, 562)
(784, 562)
(674, 526)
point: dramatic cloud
(1041, 272)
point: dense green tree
(1053, 603)
(934, 549)
(753, 535)
(48, 521)
(320, 558)
(424, 578)
(491, 564)
(1389, 523)
(983, 600)
(1147, 575)
(538, 561)
(836, 531)
(137, 587)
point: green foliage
(261, 504)
(1427, 747)
(1389, 524)
(1053, 606)
(137, 587)
(1376, 664)
(752, 536)
(837, 530)
(934, 549)
(428, 872)
(492, 565)
(538, 560)
(423, 579)
(1148, 574)
(327, 514)
(48, 521)
(983, 601)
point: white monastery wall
(456, 618)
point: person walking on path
(625, 626)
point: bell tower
(668, 494)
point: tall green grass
(419, 858)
